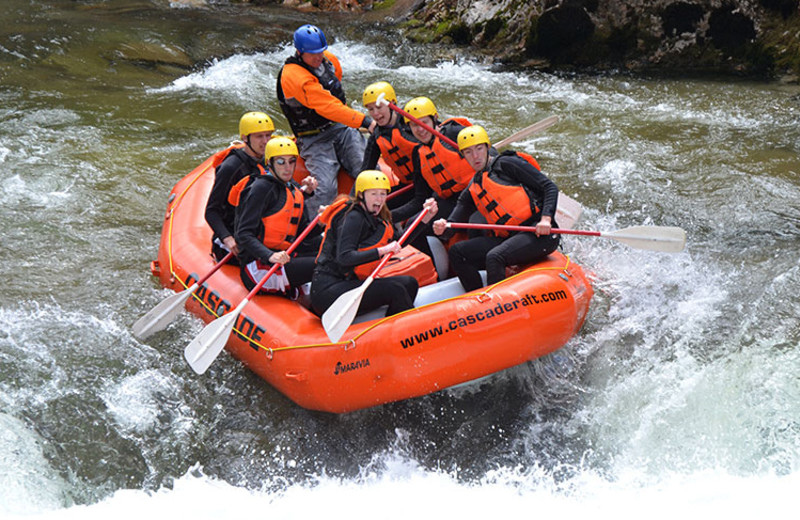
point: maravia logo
(341, 368)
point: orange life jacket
(223, 154)
(443, 168)
(502, 203)
(396, 150)
(235, 195)
(280, 228)
(528, 158)
(364, 270)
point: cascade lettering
(477, 317)
(245, 327)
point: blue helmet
(309, 38)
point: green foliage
(384, 4)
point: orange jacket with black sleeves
(232, 165)
(510, 190)
(313, 98)
(395, 143)
(267, 218)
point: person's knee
(351, 151)
(410, 285)
(495, 257)
(456, 254)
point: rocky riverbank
(744, 37)
(755, 38)
(749, 38)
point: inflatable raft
(450, 337)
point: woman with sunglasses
(268, 218)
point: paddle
(207, 345)
(522, 134)
(340, 315)
(162, 314)
(569, 210)
(398, 191)
(652, 238)
(381, 101)
(528, 131)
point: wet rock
(562, 30)
(730, 30)
(785, 7)
(747, 37)
(144, 53)
(682, 17)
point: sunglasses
(282, 161)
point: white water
(406, 491)
(681, 395)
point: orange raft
(448, 339)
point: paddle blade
(568, 211)
(205, 348)
(652, 238)
(341, 314)
(162, 314)
(527, 132)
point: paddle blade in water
(653, 238)
(162, 314)
(205, 348)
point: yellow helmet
(472, 135)
(372, 92)
(372, 180)
(280, 146)
(421, 107)
(253, 122)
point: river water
(681, 395)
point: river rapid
(681, 394)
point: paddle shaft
(464, 225)
(668, 239)
(545, 123)
(427, 127)
(398, 191)
(214, 269)
(162, 314)
(402, 239)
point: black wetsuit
(494, 253)
(340, 254)
(220, 214)
(264, 196)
